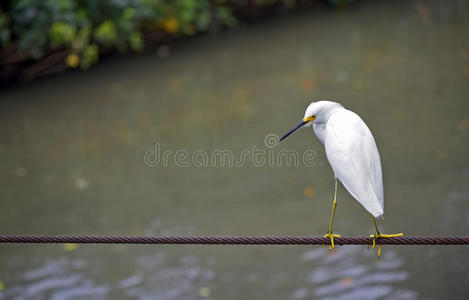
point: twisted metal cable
(232, 240)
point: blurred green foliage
(4, 29)
(84, 27)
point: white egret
(352, 153)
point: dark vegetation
(39, 37)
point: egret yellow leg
(329, 234)
(378, 235)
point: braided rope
(232, 240)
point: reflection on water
(72, 162)
(156, 275)
(57, 279)
(343, 276)
(345, 273)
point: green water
(72, 161)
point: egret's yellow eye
(309, 119)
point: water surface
(72, 151)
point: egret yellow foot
(382, 235)
(331, 236)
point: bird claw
(331, 236)
(390, 235)
(382, 235)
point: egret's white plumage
(352, 153)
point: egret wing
(353, 155)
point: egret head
(317, 112)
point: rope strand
(232, 240)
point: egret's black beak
(293, 129)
